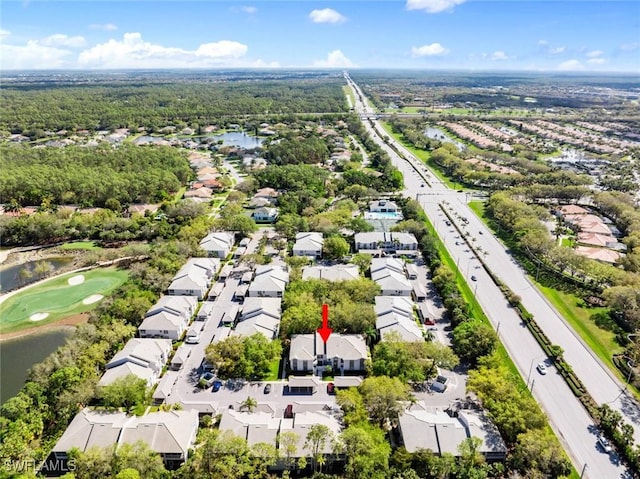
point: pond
(18, 355)
(20, 275)
(239, 138)
(438, 134)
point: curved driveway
(566, 414)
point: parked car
(604, 444)
(473, 278)
(267, 388)
(542, 368)
(192, 339)
(288, 411)
(217, 384)
(331, 389)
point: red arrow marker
(325, 331)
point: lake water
(18, 355)
(231, 138)
(239, 138)
(14, 276)
(438, 134)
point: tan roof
(573, 210)
(599, 254)
(595, 239)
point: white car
(604, 444)
(542, 368)
(192, 339)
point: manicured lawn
(84, 245)
(478, 208)
(58, 298)
(568, 242)
(600, 341)
(274, 368)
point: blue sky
(547, 35)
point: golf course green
(58, 298)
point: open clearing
(58, 298)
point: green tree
(263, 456)
(335, 247)
(539, 450)
(362, 261)
(316, 441)
(471, 459)
(288, 441)
(473, 339)
(94, 463)
(140, 458)
(128, 392)
(384, 398)
(128, 474)
(243, 357)
(367, 452)
(217, 454)
(249, 404)
(512, 411)
(352, 405)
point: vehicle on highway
(480, 233)
(331, 388)
(542, 368)
(604, 444)
(473, 278)
(422, 185)
(267, 389)
(206, 380)
(217, 384)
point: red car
(331, 389)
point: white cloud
(327, 15)
(595, 53)
(431, 50)
(433, 6)
(596, 61)
(249, 10)
(62, 40)
(107, 27)
(4, 33)
(629, 47)
(133, 52)
(499, 55)
(335, 59)
(570, 65)
(33, 56)
(549, 49)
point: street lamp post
(583, 469)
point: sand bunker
(38, 316)
(94, 298)
(78, 279)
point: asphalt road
(566, 414)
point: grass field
(58, 298)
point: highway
(570, 421)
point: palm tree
(249, 404)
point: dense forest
(90, 176)
(33, 109)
